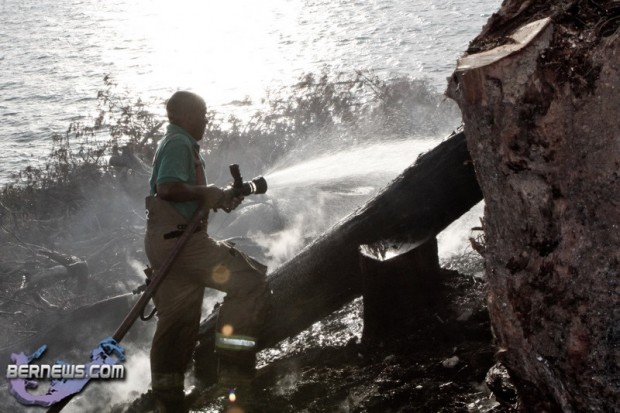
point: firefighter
(178, 187)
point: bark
(421, 202)
(541, 121)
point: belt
(180, 230)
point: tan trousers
(202, 263)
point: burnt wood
(429, 195)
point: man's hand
(210, 197)
(230, 199)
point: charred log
(70, 268)
(396, 288)
(421, 202)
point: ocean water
(55, 53)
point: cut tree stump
(396, 288)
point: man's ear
(185, 120)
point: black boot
(236, 369)
(170, 401)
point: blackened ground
(440, 367)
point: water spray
(370, 164)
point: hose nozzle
(257, 185)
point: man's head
(189, 111)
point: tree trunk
(541, 119)
(420, 203)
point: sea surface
(54, 54)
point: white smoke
(454, 240)
(101, 395)
(283, 245)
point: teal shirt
(174, 162)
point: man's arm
(209, 196)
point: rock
(451, 362)
(498, 381)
